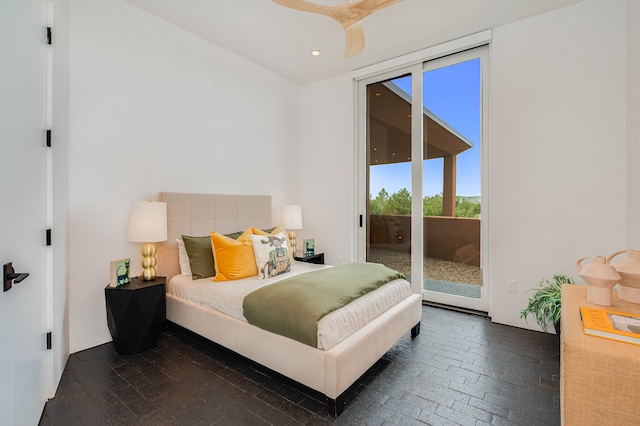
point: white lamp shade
(148, 222)
(292, 217)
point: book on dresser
(614, 325)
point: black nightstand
(312, 258)
(136, 313)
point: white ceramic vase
(629, 270)
(600, 277)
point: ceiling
(281, 39)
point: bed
(329, 371)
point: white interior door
(23, 194)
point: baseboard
(457, 309)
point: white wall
(327, 158)
(558, 182)
(558, 169)
(154, 108)
(633, 123)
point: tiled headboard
(199, 214)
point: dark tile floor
(461, 370)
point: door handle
(10, 276)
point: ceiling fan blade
(348, 15)
(355, 40)
(363, 8)
(305, 6)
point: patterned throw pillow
(275, 231)
(271, 254)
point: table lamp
(148, 224)
(292, 219)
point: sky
(453, 94)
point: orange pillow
(276, 231)
(233, 259)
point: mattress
(227, 297)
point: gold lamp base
(293, 242)
(148, 262)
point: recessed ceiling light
(315, 52)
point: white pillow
(272, 256)
(183, 258)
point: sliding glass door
(389, 174)
(423, 134)
(452, 176)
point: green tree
(377, 204)
(465, 208)
(399, 203)
(432, 205)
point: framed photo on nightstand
(120, 272)
(309, 246)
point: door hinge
(49, 138)
(49, 340)
(48, 237)
(48, 35)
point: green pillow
(234, 235)
(200, 256)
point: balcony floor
(436, 270)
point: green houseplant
(545, 302)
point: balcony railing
(448, 241)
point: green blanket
(292, 307)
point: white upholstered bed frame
(329, 372)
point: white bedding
(227, 297)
